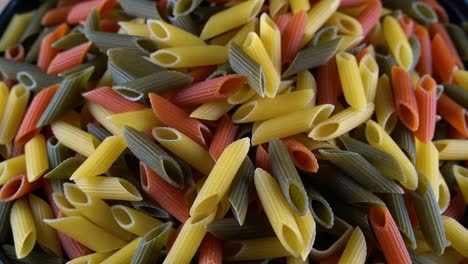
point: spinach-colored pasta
(98, 131)
(459, 38)
(447, 172)
(355, 166)
(33, 52)
(185, 7)
(405, 140)
(221, 71)
(202, 14)
(385, 62)
(418, 259)
(324, 35)
(288, 177)
(320, 208)
(70, 40)
(150, 207)
(229, 228)
(65, 169)
(36, 256)
(416, 48)
(241, 190)
(37, 80)
(141, 8)
(107, 40)
(186, 23)
(56, 152)
(5, 208)
(99, 63)
(92, 23)
(34, 26)
(457, 93)
(420, 11)
(150, 246)
(10, 68)
(242, 64)
(397, 207)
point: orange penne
(28, 128)
(73, 249)
(351, 3)
(201, 73)
(15, 53)
(69, 59)
(444, 64)
(292, 36)
(405, 99)
(282, 22)
(110, 99)
(453, 113)
(369, 17)
(226, 133)
(407, 24)
(437, 28)
(209, 90)
(172, 116)
(452, 133)
(56, 16)
(362, 53)
(440, 11)
(47, 52)
(211, 250)
(109, 25)
(426, 93)
(80, 11)
(302, 157)
(456, 208)
(389, 237)
(167, 196)
(49, 192)
(18, 187)
(262, 159)
(424, 65)
(328, 83)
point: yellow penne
(72, 117)
(461, 78)
(271, 39)
(347, 42)
(106, 79)
(101, 115)
(355, 251)
(244, 94)
(291, 124)
(4, 91)
(314, 145)
(134, 28)
(22, 228)
(452, 149)
(351, 81)
(185, 148)
(285, 86)
(134, 221)
(457, 234)
(220, 178)
(12, 167)
(94, 209)
(212, 110)
(341, 123)
(266, 108)
(189, 239)
(224, 38)
(94, 258)
(13, 113)
(397, 42)
(87, 233)
(171, 36)
(190, 56)
(74, 138)
(45, 235)
(112, 188)
(346, 24)
(299, 5)
(307, 227)
(37, 162)
(306, 81)
(444, 194)
(231, 18)
(384, 107)
(369, 75)
(461, 176)
(64, 205)
(123, 255)
(254, 249)
(377, 137)
(141, 120)
(278, 7)
(317, 16)
(15, 28)
(102, 158)
(427, 162)
(241, 35)
(279, 212)
(254, 48)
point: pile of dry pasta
(233, 131)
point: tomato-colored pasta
(453, 113)
(110, 99)
(456, 208)
(46, 51)
(56, 16)
(361, 54)
(109, 25)
(15, 53)
(328, 83)
(407, 24)
(61, 3)
(452, 133)
(80, 11)
(69, 59)
(292, 36)
(262, 159)
(170, 115)
(424, 65)
(201, 73)
(49, 192)
(282, 22)
(73, 249)
(405, 99)
(211, 250)
(426, 98)
(18, 187)
(302, 157)
(369, 17)
(226, 133)
(437, 28)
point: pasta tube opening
(325, 130)
(166, 134)
(146, 45)
(122, 216)
(11, 188)
(165, 58)
(292, 239)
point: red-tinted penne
(47, 52)
(28, 128)
(437, 28)
(426, 93)
(302, 157)
(361, 54)
(73, 249)
(424, 65)
(452, 133)
(328, 83)
(166, 195)
(282, 22)
(262, 159)
(109, 25)
(15, 53)
(407, 24)
(56, 16)
(80, 11)
(69, 59)
(292, 36)
(370, 16)
(226, 133)
(351, 3)
(209, 90)
(453, 113)
(211, 250)
(456, 208)
(389, 237)
(405, 99)
(49, 191)
(110, 99)
(201, 73)
(18, 187)
(172, 116)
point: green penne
(148, 206)
(150, 246)
(397, 207)
(229, 228)
(355, 166)
(457, 93)
(320, 208)
(70, 40)
(107, 40)
(312, 56)
(34, 26)
(99, 63)
(241, 190)
(186, 23)
(202, 14)
(56, 152)
(98, 131)
(36, 256)
(158, 83)
(242, 64)
(185, 7)
(186, 169)
(140, 8)
(37, 80)
(356, 217)
(416, 48)
(447, 172)
(324, 35)
(418, 259)
(420, 11)
(288, 177)
(385, 62)
(459, 39)
(33, 52)
(15, 29)
(65, 169)
(11, 68)
(5, 229)
(92, 23)
(154, 157)
(405, 140)
(67, 96)
(428, 214)
(221, 71)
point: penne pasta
(13, 32)
(292, 36)
(141, 120)
(397, 42)
(461, 177)
(134, 221)
(317, 16)
(225, 134)
(369, 75)
(151, 244)
(213, 110)
(271, 39)
(426, 100)
(171, 36)
(456, 234)
(351, 81)
(23, 228)
(453, 113)
(405, 99)
(15, 109)
(451, 149)
(37, 162)
(355, 250)
(74, 138)
(190, 56)
(109, 188)
(11, 167)
(384, 105)
(124, 254)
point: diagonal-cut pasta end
(291, 240)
